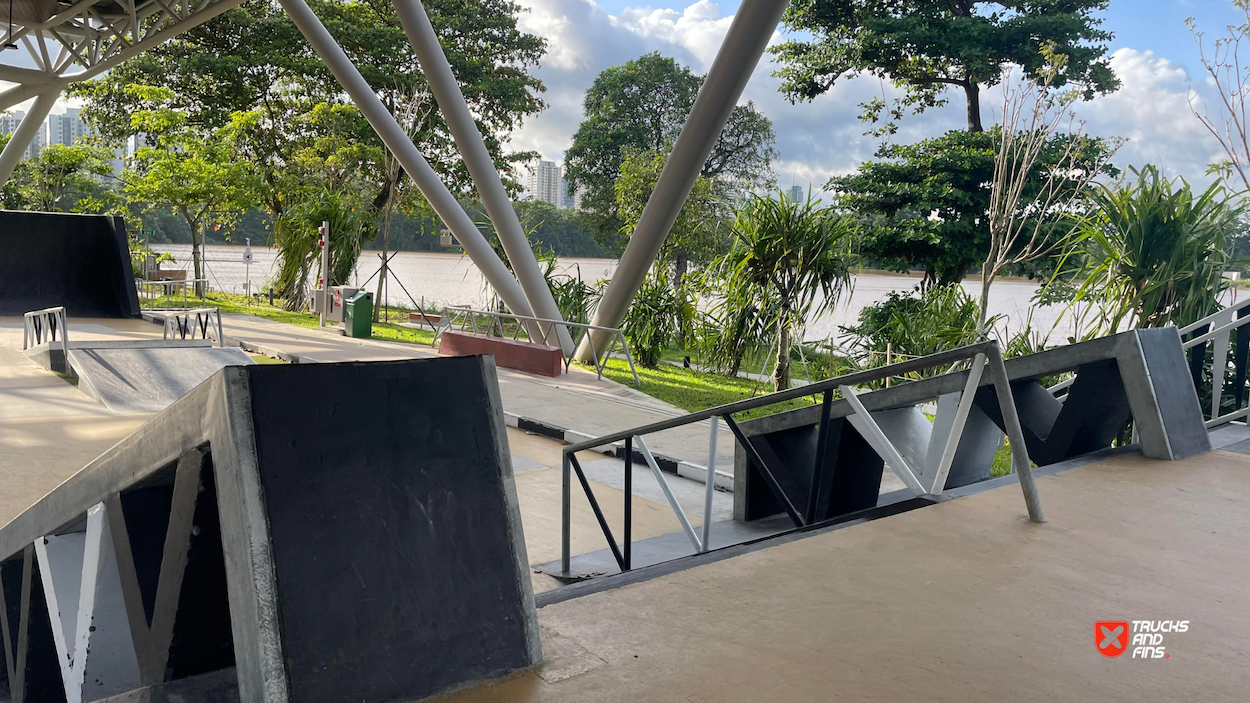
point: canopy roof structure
(48, 44)
(72, 41)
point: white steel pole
(325, 271)
(25, 132)
(435, 192)
(481, 167)
(748, 36)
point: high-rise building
(546, 184)
(66, 128)
(569, 198)
(8, 125)
(797, 194)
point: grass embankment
(231, 303)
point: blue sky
(1153, 53)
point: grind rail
(976, 356)
(46, 326)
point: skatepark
(217, 508)
(322, 475)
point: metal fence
(47, 325)
(153, 291)
(976, 356)
(1226, 378)
(200, 323)
(538, 330)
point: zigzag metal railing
(1217, 330)
(205, 322)
(978, 354)
(45, 326)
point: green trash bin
(358, 315)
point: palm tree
(1152, 252)
(789, 259)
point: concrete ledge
(538, 359)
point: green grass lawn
(693, 390)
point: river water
(440, 279)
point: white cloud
(1151, 109)
(825, 137)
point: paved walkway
(961, 601)
(577, 401)
(48, 428)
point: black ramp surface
(395, 545)
(79, 261)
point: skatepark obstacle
(318, 533)
(79, 262)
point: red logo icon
(1111, 637)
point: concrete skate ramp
(148, 380)
(78, 261)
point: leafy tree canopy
(925, 206)
(642, 105)
(929, 46)
(253, 60)
(694, 236)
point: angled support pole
(863, 421)
(395, 139)
(748, 36)
(26, 131)
(481, 167)
(1015, 434)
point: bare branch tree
(413, 114)
(1034, 199)
(1222, 61)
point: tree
(189, 171)
(1230, 74)
(926, 47)
(923, 205)
(252, 60)
(1035, 197)
(789, 259)
(1152, 253)
(693, 237)
(642, 105)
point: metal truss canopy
(67, 41)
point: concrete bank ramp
(148, 380)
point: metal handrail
(1219, 333)
(142, 284)
(472, 314)
(47, 322)
(979, 354)
(207, 322)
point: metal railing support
(1015, 434)
(566, 509)
(876, 438)
(710, 488)
(668, 493)
(957, 430)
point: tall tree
(926, 47)
(642, 105)
(188, 170)
(252, 59)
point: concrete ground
(962, 601)
(49, 430)
(578, 400)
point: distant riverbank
(441, 279)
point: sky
(1153, 54)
